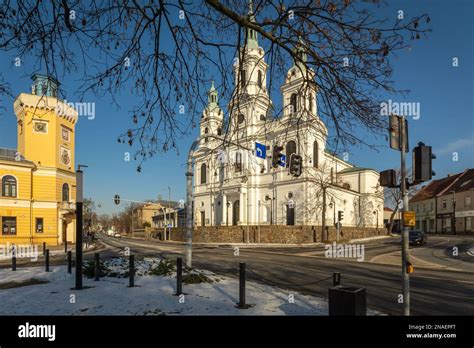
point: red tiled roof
(434, 188)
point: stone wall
(271, 234)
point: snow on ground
(152, 295)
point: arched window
(315, 154)
(206, 131)
(290, 149)
(241, 119)
(262, 117)
(238, 162)
(293, 104)
(259, 80)
(219, 131)
(243, 77)
(203, 173)
(65, 192)
(9, 188)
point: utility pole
(169, 207)
(405, 233)
(79, 206)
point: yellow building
(38, 182)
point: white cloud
(455, 146)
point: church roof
(354, 169)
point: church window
(238, 162)
(262, 117)
(290, 149)
(206, 131)
(315, 154)
(241, 118)
(219, 131)
(259, 81)
(293, 104)
(243, 77)
(203, 173)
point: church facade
(234, 184)
(38, 182)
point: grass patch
(196, 278)
(164, 268)
(11, 285)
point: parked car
(416, 237)
(117, 235)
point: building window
(241, 119)
(293, 104)
(432, 206)
(259, 80)
(315, 154)
(65, 193)
(262, 117)
(39, 225)
(206, 131)
(9, 186)
(468, 224)
(238, 162)
(432, 222)
(467, 201)
(243, 77)
(203, 173)
(443, 204)
(290, 149)
(219, 131)
(8, 225)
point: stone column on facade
(224, 210)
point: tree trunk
(392, 217)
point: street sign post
(260, 150)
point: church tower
(46, 125)
(250, 102)
(212, 117)
(299, 96)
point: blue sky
(445, 95)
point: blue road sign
(283, 160)
(260, 150)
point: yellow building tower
(37, 200)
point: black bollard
(69, 262)
(242, 286)
(65, 245)
(179, 276)
(14, 263)
(97, 266)
(47, 261)
(336, 278)
(44, 248)
(131, 263)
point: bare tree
(165, 53)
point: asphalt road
(434, 291)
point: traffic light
(398, 130)
(388, 178)
(340, 215)
(277, 155)
(117, 199)
(422, 163)
(296, 164)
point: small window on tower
(241, 118)
(259, 81)
(243, 77)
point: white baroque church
(234, 186)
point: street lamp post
(79, 206)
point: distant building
(38, 181)
(143, 215)
(444, 205)
(173, 217)
(387, 213)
